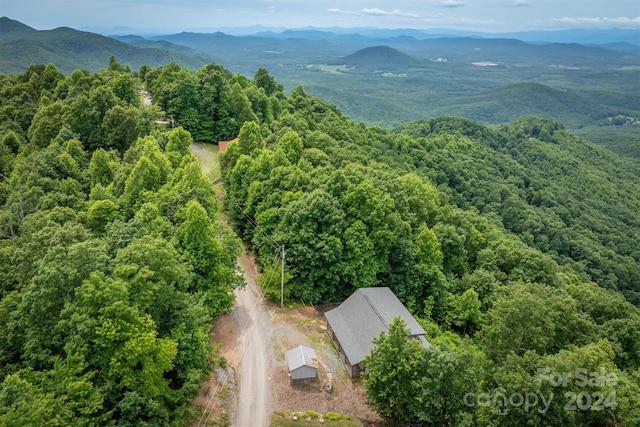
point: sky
(188, 15)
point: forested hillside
(514, 245)
(70, 49)
(112, 265)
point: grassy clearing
(280, 419)
(333, 69)
(207, 155)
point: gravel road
(255, 326)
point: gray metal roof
(301, 356)
(364, 315)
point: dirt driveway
(239, 393)
(255, 338)
(306, 325)
(253, 370)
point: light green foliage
(263, 80)
(119, 127)
(416, 199)
(102, 167)
(124, 86)
(469, 235)
(187, 182)
(249, 138)
(64, 395)
(116, 338)
(148, 175)
(200, 242)
(239, 108)
(360, 266)
(291, 146)
(311, 226)
(464, 310)
(100, 213)
(533, 317)
(520, 237)
(428, 252)
(46, 123)
(105, 303)
(449, 371)
(178, 146)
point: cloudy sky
(482, 15)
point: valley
(386, 78)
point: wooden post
(283, 253)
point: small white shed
(303, 364)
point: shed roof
(301, 356)
(364, 315)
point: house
(222, 145)
(303, 364)
(354, 324)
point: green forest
(112, 265)
(514, 245)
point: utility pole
(283, 254)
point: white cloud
(374, 12)
(600, 21)
(396, 12)
(337, 11)
(450, 3)
(521, 3)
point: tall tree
(201, 246)
(46, 123)
(391, 369)
(119, 127)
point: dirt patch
(305, 325)
(217, 399)
(288, 328)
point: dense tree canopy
(112, 262)
(492, 234)
(515, 245)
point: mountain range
(70, 49)
(389, 77)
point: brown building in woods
(362, 317)
(222, 145)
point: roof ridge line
(304, 358)
(375, 310)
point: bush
(332, 416)
(312, 414)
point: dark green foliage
(492, 234)
(371, 58)
(391, 367)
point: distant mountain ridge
(70, 49)
(379, 57)
(583, 36)
(9, 26)
(388, 77)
